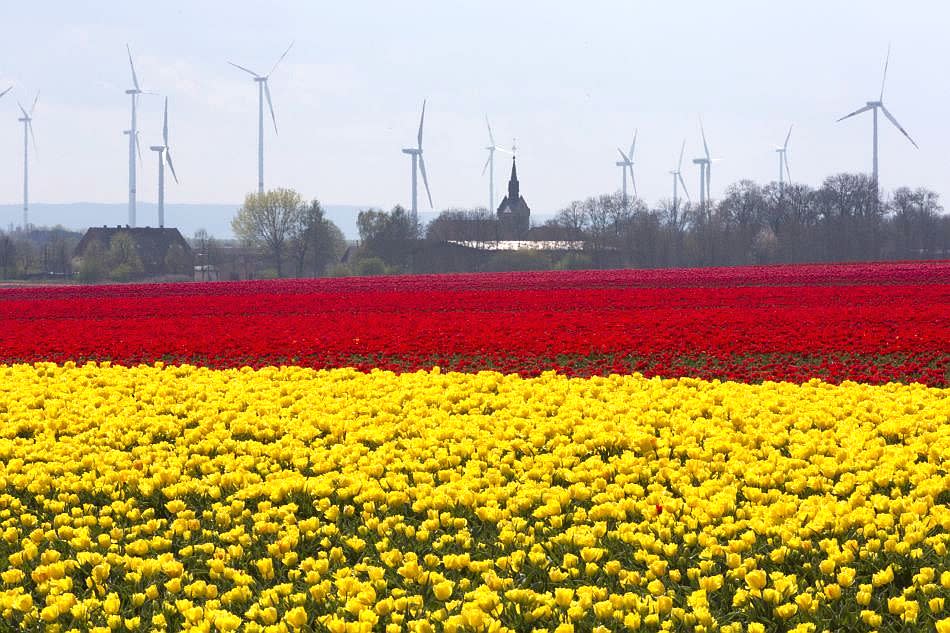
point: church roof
(514, 201)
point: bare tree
(207, 251)
(573, 220)
(474, 226)
(913, 215)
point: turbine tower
(262, 91)
(705, 170)
(134, 93)
(625, 163)
(164, 156)
(874, 106)
(678, 178)
(27, 121)
(418, 164)
(782, 151)
(490, 165)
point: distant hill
(187, 218)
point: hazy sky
(570, 80)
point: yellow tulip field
(165, 498)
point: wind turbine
(27, 121)
(678, 177)
(490, 165)
(133, 136)
(164, 156)
(705, 169)
(782, 151)
(418, 164)
(262, 91)
(874, 106)
(624, 164)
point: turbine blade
(421, 121)
(270, 104)
(683, 185)
(280, 59)
(425, 179)
(887, 60)
(247, 70)
(488, 162)
(679, 165)
(633, 182)
(788, 136)
(703, 133)
(491, 137)
(623, 156)
(788, 174)
(23, 110)
(135, 79)
(35, 99)
(858, 111)
(633, 146)
(138, 146)
(171, 166)
(6, 91)
(898, 125)
(165, 124)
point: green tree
(270, 221)
(93, 266)
(389, 236)
(318, 242)
(123, 259)
(371, 267)
(7, 255)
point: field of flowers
(550, 451)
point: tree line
(843, 220)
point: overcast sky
(571, 81)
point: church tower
(514, 216)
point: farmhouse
(161, 251)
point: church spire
(513, 194)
